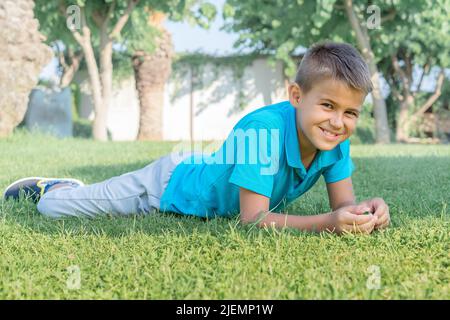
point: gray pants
(137, 192)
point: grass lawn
(166, 256)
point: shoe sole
(41, 178)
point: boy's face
(326, 115)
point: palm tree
(151, 71)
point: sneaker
(34, 187)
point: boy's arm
(340, 193)
(255, 208)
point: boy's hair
(339, 61)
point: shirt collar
(293, 155)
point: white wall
(261, 84)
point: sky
(213, 41)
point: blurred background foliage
(408, 43)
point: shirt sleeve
(256, 158)
(341, 169)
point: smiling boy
(272, 156)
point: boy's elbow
(248, 218)
(251, 205)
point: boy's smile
(326, 115)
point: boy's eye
(353, 114)
(327, 105)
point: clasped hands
(351, 218)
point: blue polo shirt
(260, 154)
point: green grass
(165, 256)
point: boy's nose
(336, 122)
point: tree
(107, 18)
(379, 28)
(152, 63)
(94, 26)
(364, 44)
(150, 48)
(303, 24)
(412, 50)
(54, 26)
(151, 73)
(69, 63)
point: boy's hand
(380, 209)
(351, 219)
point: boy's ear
(295, 94)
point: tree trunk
(407, 99)
(150, 119)
(84, 39)
(69, 70)
(432, 99)
(380, 113)
(151, 73)
(106, 73)
(101, 82)
(403, 124)
(99, 127)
